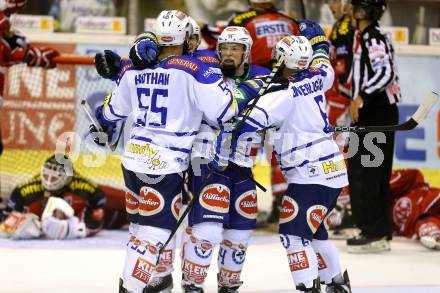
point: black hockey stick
(87, 110)
(420, 114)
(240, 124)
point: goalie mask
(173, 28)
(11, 6)
(296, 50)
(54, 174)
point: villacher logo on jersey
(315, 216)
(151, 201)
(289, 210)
(246, 204)
(215, 197)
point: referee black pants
(370, 192)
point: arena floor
(94, 265)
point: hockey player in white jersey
(168, 102)
(309, 158)
(226, 210)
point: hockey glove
(315, 34)
(55, 228)
(108, 65)
(101, 137)
(145, 50)
(40, 57)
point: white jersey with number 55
(168, 103)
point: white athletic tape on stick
(425, 107)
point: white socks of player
(198, 251)
(302, 259)
(328, 261)
(231, 257)
(141, 257)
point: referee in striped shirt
(375, 93)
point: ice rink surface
(94, 265)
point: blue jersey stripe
(264, 112)
(114, 113)
(309, 144)
(305, 162)
(256, 122)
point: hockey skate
(223, 289)
(431, 242)
(362, 244)
(192, 289)
(339, 288)
(315, 289)
(159, 285)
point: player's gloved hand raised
(145, 50)
(40, 57)
(108, 64)
(315, 34)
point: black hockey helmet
(56, 173)
(373, 9)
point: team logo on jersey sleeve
(215, 197)
(289, 209)
(246, 204)
(402, 210)
(315, 216)
(176, 206)
(131, 203)
(151, 201)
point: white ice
(94, 265)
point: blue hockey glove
(108, 64)
(315, 34)
(251, 87)
(145, 50)
(101, 137)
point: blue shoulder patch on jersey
(208, 57)
(308, 73)
(257, 70)
(193, 66)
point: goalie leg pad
(302, 259)
(21, 226)
(141, 256)
(232, 255)
(328, 260)
(198, 252)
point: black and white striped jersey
(374, 69)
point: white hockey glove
(54, 228)
(59, 222)
(21, 226)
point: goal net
(42, 114)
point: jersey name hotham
(152, 78)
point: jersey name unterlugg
(308, 88)
(152, 78)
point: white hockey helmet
(173, 28)
(238, 35)
(296, 50)
(54, 175)
(195, 30)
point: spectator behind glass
(66, 12)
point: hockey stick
(88, 111)
(420, 114)
(240, 124)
